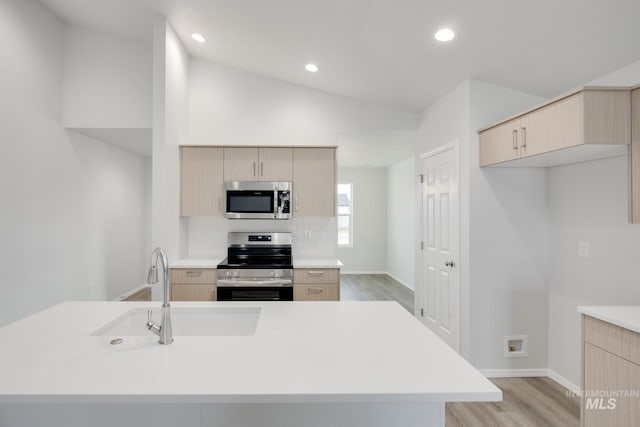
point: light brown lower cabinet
(316, 284)
(193, 284)
(610, 375)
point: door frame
(419, 259)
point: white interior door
(439, 293)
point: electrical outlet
(583, 249)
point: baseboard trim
(402, 282)
(511, 373)
(564, 382)
(508, 373)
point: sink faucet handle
(149, 313)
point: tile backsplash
(206, 237)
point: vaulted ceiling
(383, 51)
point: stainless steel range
(258, 267)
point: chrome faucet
(163, 330)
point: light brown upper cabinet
(258, 164)
(201, 181)
(585, 125)
(634, 159)
(314, 181)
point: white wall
(65, 195)
(107, 80)
(588, 202)
(230, 106)
(170, 112)
(503, 222)
(401, 221)
(368, 254)
(509, 241)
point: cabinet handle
(261, 168)
(524, 137)
(515, 139)
(317, 273)
(315, 290)
(254, 168)
(194, 273)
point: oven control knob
(228, 273)
(236, 273)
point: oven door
(255, 293)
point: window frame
(349, 215)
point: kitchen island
(305, 364)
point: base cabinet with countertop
(610, 369)
(316, 284)
(193, 284)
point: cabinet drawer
(189, 292)
(612, 338)
(193, 275)
(317, 292)
(316, 275)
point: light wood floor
(374, 287)
(527, 402)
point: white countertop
(627, 317)
(297, 263)
(300, 352)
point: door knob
(449, 264)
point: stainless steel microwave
(257, 200)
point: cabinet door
(314, 181)
(201, 182)
(275, 164)
(606, 374)
(500, 143)
(241, 163)
(554, 127)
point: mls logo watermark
(595, 400)
(600, 403)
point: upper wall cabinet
(258, 164)
(584, 125)
(314, 182)
(201, 181)
(634, 159)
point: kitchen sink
(200, 321)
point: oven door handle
(244, 283)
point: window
(345, 214)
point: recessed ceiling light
(445, 35)
(198, 37)
(312, 68)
